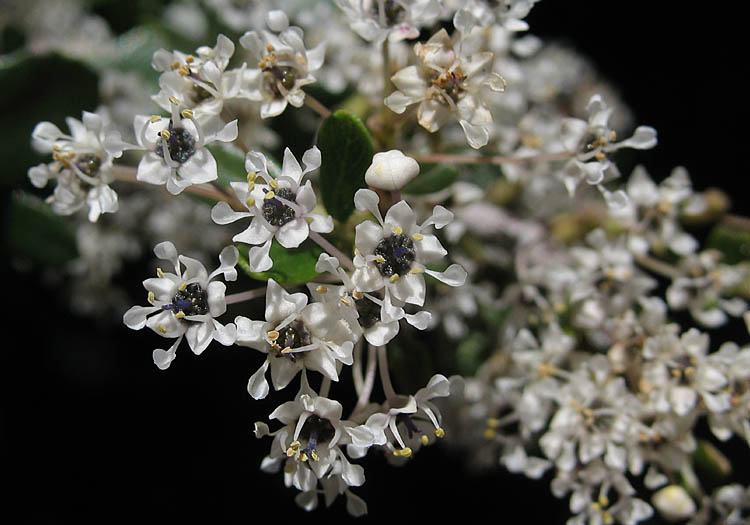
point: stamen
(154, 118)
(346, 301)
(161, 328)
(250, 201)
(173, 100)
(416, 270)
(189, 59)
(417, 236)
(159, 273)
(379, 259)
(273, 335)
(151, 297)
(274, 184)
(402, 453)
(398, 230)
(394, 278)
(182, 286)
(321, 289)
(165, 134)
(425, 440)
(270, 195)
(439, 433)
(180, 314)
(187, 113)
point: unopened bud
(391, 170)
(673, 503)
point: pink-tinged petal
(152, 169)
(135, 317)
(257, 386)
(199, 168)
(293, 233)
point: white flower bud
(391, 170)
(673, 503)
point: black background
(93, 432)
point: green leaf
(732, 238)
(36, 233)
(231, 164)
(470, 353)
(290, 265)
(36, 89)
(433, 178)
(346, 153)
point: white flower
(185, 303)
(391, 170)
(283, 65)
(82, 164)
(592, 141)
(200, 83)
(446, 84)
(673, 503)
(175, 149)
(395, 20)
(295, 336)
(280, 208)
(392, 254)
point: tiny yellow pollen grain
(321, 289)
(270, 195)
(189, 59)
(165, 134)
(251, 175)
(394, 278)
(187, 113)
(398, 230)
(417, 236)
(314, 455)
(379, 259)
(182, 286)
(176, 64)
(403, 453)
(439, 433)
(345, 301)
(274, 184)
(303, 457)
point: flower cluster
(569, 307)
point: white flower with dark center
(392, 254)
(295, 336)
(407, 422)
(395, 20)
(280, 207)
(175, 149)
(186, 303)
(591, 142)
(81, 166)
(283, 65)
(368, 314)
(446, 84)
(199, 82)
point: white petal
(257, 386)
(454, 275)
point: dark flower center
(397, 252)
(283, 74)
(394, 13)
(180, 144)
(276, 212)
(369, 312)
(89, 164)
(316, 430)
(294, 335)
(193, 300)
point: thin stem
(331, 249)
(473, 159)
(246, 296)
(386, 69)
(385, 376)
(369, 382)
(325, 386)
(357, 368)
(230, 197)
(317, 106)
(658, 267)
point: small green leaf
(346, 153)
(290, 265)
(37, 234)
(432, 178)
(231, 164)
(470, 353)
(732, 238)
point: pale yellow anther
(424, 439)
(439, 433)
(250, 186)
(174, 100)
(273, 335)
(250, 201)
(294, 446)
(56, 148)
(159, 273)
(180, 314)
(345, 301)
(165, 134)
(151, 297)
(303, 457)
(314, 455)
(270, 48)
(398, 230)
(394, 278)
(286, 350)
(493, 422)
(187, 113)
(356, 251)
(161, 328)
(379, 259)
(607, 518)
(604, 500)
(417, 236)
(489, 433)
(357, 294)
(689, 371)
(321, 289)
(154, 118)
(600, 156)
(251, 175)
(274, 184)
(416, 270)
(182, 286)
(176, 64)
(270, 195)
(402, 453)
(189, 59)
(595, 506)
(612, 136)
